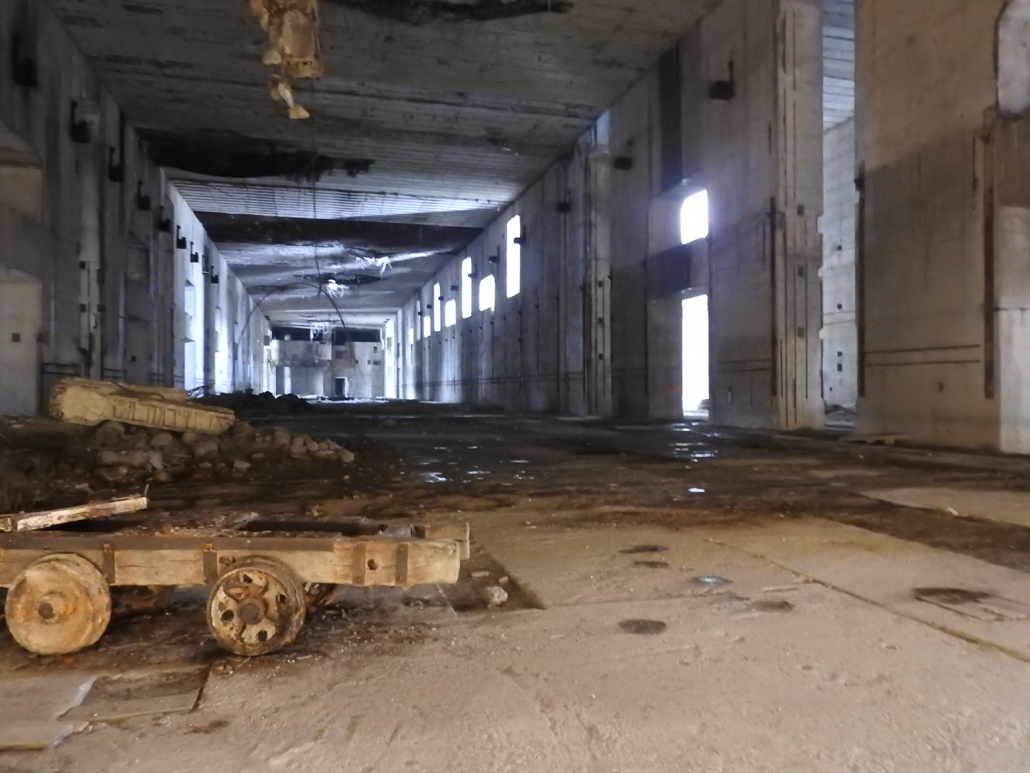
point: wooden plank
(459, 532)
(47, 518)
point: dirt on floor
(435, 464)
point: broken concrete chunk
(140, 460)
(495, 596)
(345, 456)
(162, 440)
(281, 437)
(81, 401)
(205, 448)
(113, 474)
(241, 466)
(243, 429)
(109, 433)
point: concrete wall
(597, 326)
(313, 368)
(363, 365)
(82, 218)
(932, 316)
(838, 227)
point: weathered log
(47, 518)
(80, 401)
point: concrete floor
(683, 599)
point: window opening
(466, 288)
(694, 218)
(487, 293)
(513, 259)
(436, 307)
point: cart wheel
(256, 607)
(60, 604)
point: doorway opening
(340, 388)
(695, 357)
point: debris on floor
(123, 454)
(32, 709)
(144, 693)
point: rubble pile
(123, 453)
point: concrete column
(1012, 272)
(665, 358)
(766, 200)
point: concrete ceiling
(457, 116)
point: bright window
(513, 259)
(694, 218)
(437, 300)
(450, 313)
(487, 293)
(466, 288)
(427, 327)
(411, 336)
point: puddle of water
(643, 627)
(520, 461)
(692, 451)
(711, 581)
(695, 491)
(434, 477)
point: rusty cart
(263, 575)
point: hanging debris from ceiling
(426, 11)
(294, 51)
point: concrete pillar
(1012, 273)
(665, 358)
(839, 228)
(766, 202)
(936, 322)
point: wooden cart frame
(262, 579)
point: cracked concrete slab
(1001, 506)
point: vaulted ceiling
(456, 115)
(432, 116)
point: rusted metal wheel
(58, 605)
(256, 607)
